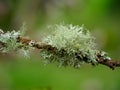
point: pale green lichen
(22, 29)
(10, 42)
(75, 45)
(68, 45)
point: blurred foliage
(102, 17)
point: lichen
(10, 42)
(68, 45)
(75, 45)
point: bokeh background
(101, 17)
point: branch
(69, 45)
(110, 63)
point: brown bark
(110, 63)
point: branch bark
(110, 63)
(38, 45)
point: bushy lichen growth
(10, 41)
(68, 45)
(74, 44)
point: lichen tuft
(75, 45)
(10, 41)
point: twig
(110, 63)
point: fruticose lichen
(75, 45)
(10, 42)
(67, 44)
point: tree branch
(110, 63)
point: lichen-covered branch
(69, 46)
(104, 61)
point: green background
(101, 17)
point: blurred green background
(101, 17)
